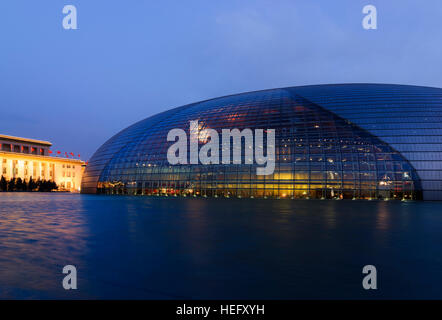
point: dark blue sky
(131, 59)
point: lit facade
(25, 158)
(349, 141)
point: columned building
(25, 158)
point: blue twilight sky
(131, 59)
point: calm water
(139, 247)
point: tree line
(18, 184)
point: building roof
(19, 155)
(19, 139)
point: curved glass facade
(355, 141)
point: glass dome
(354, 141)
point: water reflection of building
(25, 158)
(349, 141)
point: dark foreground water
(159, 248)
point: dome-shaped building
(348, 141)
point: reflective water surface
(176, 248)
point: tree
(46, 185)
(43, 186)
(3, 184)
(11, 185)
(31, 184)
(53, 185)
(19, 184)
(38, 184)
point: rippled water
(140, 247)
